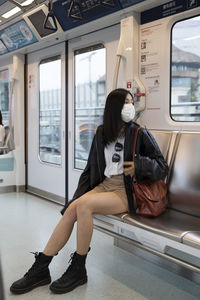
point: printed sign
(17, 36)
(3, 48)
(126, 3)
(150, 62)
(72, 13)
(168, 9)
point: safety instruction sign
(168, 9)
(150, 60)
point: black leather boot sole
(31, 287)
(69, 288)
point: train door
(46, 122)
(91, 69)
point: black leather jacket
(149, 162)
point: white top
(114, 168)
(2, 135)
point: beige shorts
(113, 184)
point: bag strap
(134, 141)
(134, 147)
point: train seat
(183, 210)
(164, 139)
(172, 224)
(184, 187)
(179, 226)
(192, 239)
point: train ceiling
(25, 22)
(13, 8)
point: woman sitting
(105, 187)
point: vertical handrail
(128, 48)
(116, 73)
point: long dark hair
(112, 121)
(1, 119)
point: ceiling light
(27, 2)
(11, 12)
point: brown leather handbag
(150, 195)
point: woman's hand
(129, 168)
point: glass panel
(90, 72)
(185, 70)
(4, 96)
(50, 111)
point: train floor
(27, 221)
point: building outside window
(185, 70)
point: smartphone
(126, 166)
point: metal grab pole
(116, 73)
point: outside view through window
(50, 111)
(185, 70)
(90, 71)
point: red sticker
(128, 85)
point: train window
(185, 70)
(50, 111)
(90, 73)
(4, 95)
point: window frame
(43, 61)
(78, 51)
(170, 73)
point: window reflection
(185, 70)
(90, 71)
(50, 111)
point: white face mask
(128, 112)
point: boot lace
(34, 267)
(70, 268)
(71, 257)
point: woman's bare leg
(62, 232)
(81, 211)
(90, 203)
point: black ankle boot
(37, 275)
(74, 276)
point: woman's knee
(83, 205)
(71, 212)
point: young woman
(105, 187)
(2, 131)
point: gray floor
(26, 222)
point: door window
(50, 111)
(90, 73)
